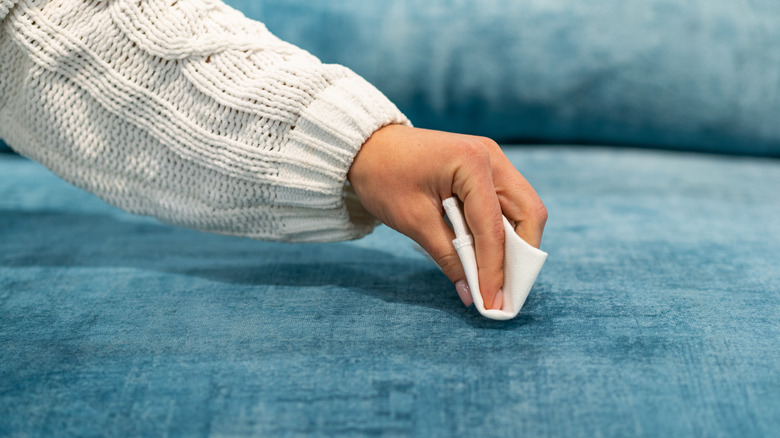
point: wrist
(367, 156)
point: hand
(402, 174)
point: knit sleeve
(189, 112)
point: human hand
(401, 176)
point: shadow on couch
(71, 240)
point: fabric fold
(522, 263)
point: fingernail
(498, 301)
(464, 292)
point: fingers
(436, 239)
(483, 214)
(404, 166)
(524, 207)
(473, 184)
(531, 229)
(464, 292)
(519, 201)
(491, 186)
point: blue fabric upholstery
(699, 75)
(657, 314)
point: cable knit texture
(190, 112)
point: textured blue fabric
(657, 314)
(701, 74)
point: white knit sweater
(187, 111)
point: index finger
(521, 204)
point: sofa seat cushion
(656, 314)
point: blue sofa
(648, 130)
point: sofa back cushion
(696, 75)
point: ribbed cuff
(328, 136)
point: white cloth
(189, 112)
(522, 263)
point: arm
(188, 112)
(202, 118)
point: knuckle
(540, 213)
(449, 263)
(489, 143)
(492, 232)
(475, 153)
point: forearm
(200, 119)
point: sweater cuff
(327, 136)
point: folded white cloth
(522, 263)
